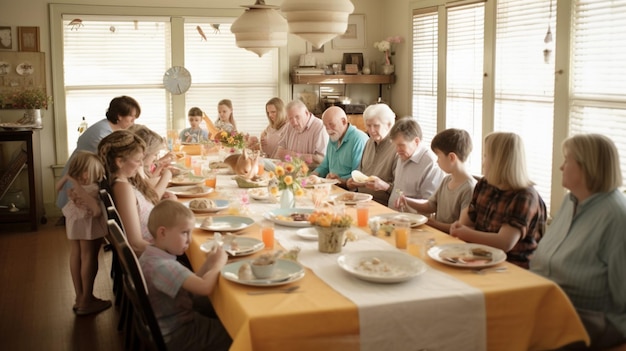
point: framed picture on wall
(6, 38)
(28, 39)
(354, 37)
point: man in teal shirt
(344, 149)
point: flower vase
(32, 119)
(287, 199)
(330, 239)
(388, 69)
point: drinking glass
(267, 234)
(362, 214)
(402, 228)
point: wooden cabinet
(20, 160)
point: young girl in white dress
(85, 222)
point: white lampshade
(317, 21)
(260, 28)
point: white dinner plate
(460, 255)
(307, 233)
(350, 198)
(190, 190)
(219, 205)
(243, 246)
(386, 266)
(261, 194)
(225, 223)
(416, 219)
(286, 272)
(282, 216)
(187, 179)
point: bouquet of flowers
(233, 140)
(330, 219)
(386, 46)
(286, 176)
(30, 98)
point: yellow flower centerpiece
(232, 140)
(285, 177)
(331, 229)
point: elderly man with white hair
(379, 156)
(304, 135)
(345, 148)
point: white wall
(383, 18)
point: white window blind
(109, 57)
(524, 83)
(221, 70)
(464, 78)
(425, 63)
(598, 88)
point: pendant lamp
(317, 21)
(260, 28)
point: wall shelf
(342, 79)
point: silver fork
(490, 269)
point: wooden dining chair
(144, 321)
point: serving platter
(286, 272)
(382, 266)
(465, 255)
(282, 216)
(220, 204)
(416, 219)
(224, 223)
(243, 246)
(190, 190)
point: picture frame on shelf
(6, 38)
(313, 50)
(354, 37)
(353, 58)
(28, 39)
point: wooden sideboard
(20, 170)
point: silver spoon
(276, 291)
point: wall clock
(177, 80)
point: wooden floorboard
(36, 295)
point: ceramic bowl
(263, 271)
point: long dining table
(330, 310)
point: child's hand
(457, 230)
(217, 257)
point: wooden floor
(36, 295)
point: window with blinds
(111, 56)
(221, 70)
(464, 74)
(598, 84)
(425, 63)
(524, 83)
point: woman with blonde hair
(506, 212)
(584, 249)
(156, 172)
(275, 112)
(122, 153)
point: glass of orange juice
(267, 234)
(419, 244)
(362, 214)
(402, 229)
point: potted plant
(32, 100)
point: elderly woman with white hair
(584, 249)
(379, 156)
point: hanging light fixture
(547, 40)
(317, 21)
(260, 28)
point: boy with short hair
(452, 147)
(172, 286)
